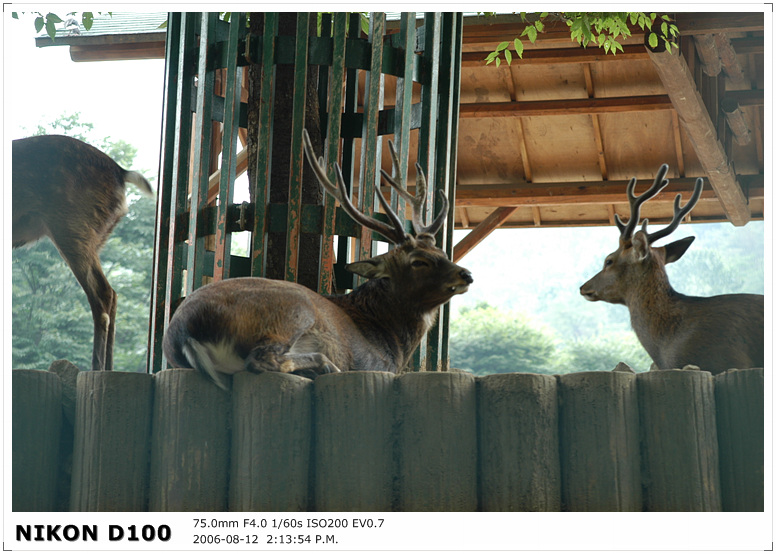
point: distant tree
(603, 353)
(51, 318)
(486, 340)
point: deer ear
(676, 249)
(371, 269)
(640, 245)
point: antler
(394, 234)
(679, 213)
(636, 201)
(419, 199)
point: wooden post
(740, 397)
(189, 443)
(437, 441)
(111, 447)
(599, 442)
(270, 442)
(354, 455)
(518, 443)
(679, 441)
(37, 420)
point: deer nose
(466, 275)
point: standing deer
(715, 333)
(74, 194)
(256, 324)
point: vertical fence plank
(679, 441)
(233, 76)
(354, 455)
(272, 432)
(740, 398)
(111, 446)
(189, 443)
(260, 194)
(37, 422)
(518, 443)
(437, 442)
(201, 165)
(294, 220)
(599, 442)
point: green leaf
(531, 33)
(492, 56)
(51, 28)
(498, 62)
(653, 40)
(88, 20)
(15, 15)
(503, 46)
(519, 47)
(508, 57)
(54, 18)
(39, 23)
(664, 29)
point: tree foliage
(604, 29)
(51, 318)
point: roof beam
(578, 106)
(562, 55)
(680, 85)
(579, 193)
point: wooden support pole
(112, 438)
(354, 470)
(708, 54)
(599, 442)
(189, 444)
(518, 443)
(37, 420)
(736, 121)
(271, 436)
(680, 85)
(679, 441)
(740, 397)
(437, 442)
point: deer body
(73, 193)
(714, 333)
(256, 324)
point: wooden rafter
(478, 234)
(580, 193)
(680, 85)
(578, 106)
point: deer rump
(256, 324)
(74, 194)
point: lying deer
(715, 333)
(74, 194)
(255, 324)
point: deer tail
(140, 182)
(200, 356)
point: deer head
(416, 264)
(636, 265)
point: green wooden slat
(297, 153)
(403, 111)
(336, 103)
(223, 239)
(264, 151)
(369, 146)
(202, 142)
(164, 193)
(178, 170)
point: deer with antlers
(256, 324)
(714, 333)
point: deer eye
(608, 262)
(419, 263)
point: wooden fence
(438, 441)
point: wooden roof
(553, 139)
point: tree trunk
(309, 248)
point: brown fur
(74, 194)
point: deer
(714, 333)
(74, 194)
(256, 324)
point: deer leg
(84, 261)
(275, 357)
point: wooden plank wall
(371, 441)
